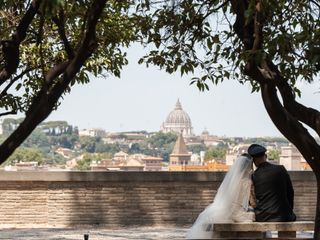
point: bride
(231, 203)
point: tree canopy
(270, 44)
(26, 155)
(222, 37)
(48, 46)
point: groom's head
(258, 153)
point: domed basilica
(178, 121)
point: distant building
(65, 152)
(210, 166)
(132, 165)
(235, 152)
(208, 139)
(119, 158)
(291, 158)
(195, 159)
(180, 155)
(92, 132)
(178, 121)
(25, 166)
(152, 163)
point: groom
(272, 187)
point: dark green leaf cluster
(186, 38)
(291, 37)
(188, 35)
(96, 145)
(56, 32)
(158, 145)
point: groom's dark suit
(274, 194)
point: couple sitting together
(265, 195)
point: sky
(143, 97)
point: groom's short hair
(256, 150)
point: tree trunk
(317, 217)
(296, 133)
(287, 115)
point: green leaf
(19, 85)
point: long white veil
(232, 195)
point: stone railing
(62, 199)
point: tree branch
(258, 37)
(8, 113)
(309, 116)
(290, 127)
(16, 78)
(286, 117)
(244, 30)
(10, 47)
(59, 21)
(46, 101)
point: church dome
(178, 121)
(178, 116)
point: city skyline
(143, 97)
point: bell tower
(180, 155)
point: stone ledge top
(264, 226)
(109, 176)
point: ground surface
(94, 234)
(147, 233)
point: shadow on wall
(98, 203)
(137, 199)
(135, 203)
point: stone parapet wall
(62, 199)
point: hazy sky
(143, 97)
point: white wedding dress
(231, 203)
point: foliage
(10, 124)
(161, 144)
(135, 148)
(26, 155)
(215, 153)
(84, 163)
(201, 34)
(45, 47)
(160, 139)
(45, 141)
(112, 148)
(197, 148)
(96, 145)
(48, 47)
(274, 154)
(88, 158)
(270, 44)
(45, 138)
(267, 140)
(88, 143)
(53, 159)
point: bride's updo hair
(246, 155)
(247, 162)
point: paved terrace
(94, 234)
(147, 233)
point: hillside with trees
(43, 145)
